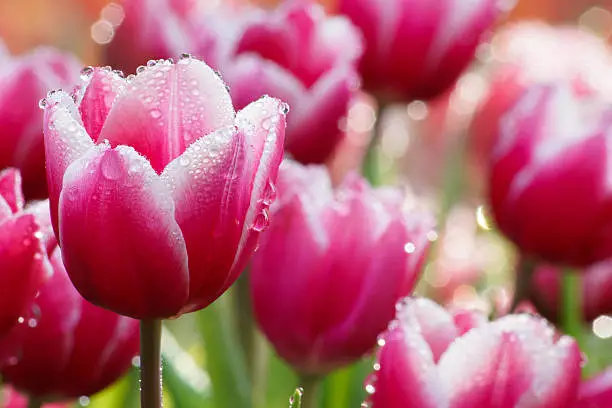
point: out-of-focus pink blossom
(596, 392)
(545, 291)
(152, 29)
(295, 53)
(528, 53)
(9, 398)
(417, 49)
(65, 347)
(332, 266)
(23, 81)
(550, 186)
(24, 265)
(431, 359)
(158, 188)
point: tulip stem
(34, 402)
(571, 305)
(312, 386)
(523, 275)
(371, 161)
(150, 364)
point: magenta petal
(24, 267)
(168, 107)
(98, 98)
(10, 189)
(65, 141)
(122, 247)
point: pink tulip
(528, 53)
(151, 30)
(10, 398)
(596, 392)
(23, 257)
(158, 189)
(331, 267)
(292, 53)
(23, 81)
(545, 291)
(427, 360)
(549, 180)
(416, 49)
(65, 347)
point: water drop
(151, 63)
(184, 161)
(155, 113)
(32, 322)
(184, 56)
(86, 73)
(141, 69)
(20, 320)
(262, 221)
(409, 248)
(84, 401)
(284, 108)
(269, 193)
(42, 104)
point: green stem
(571, 305)
(259, 369)
(371, 161)
(523, 275)
(243, 313)
(312, 387)
(34, 402)
(150, 364)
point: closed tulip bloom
(66, 347)
(428, 360)
(24, 265)
(530, 53)
(545, 291)
(23, 81)
(549, 180)
(292, 53)
(331, 267)
(158, 189)
(416, 49)
(152, 29)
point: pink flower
(549, 182)
(596, 392)
(430, 358)
(529, 53)
(331, 267)
(23, 81)
(12, 399)
(158, 189)
(151, 30)
(417, 49)
(23, 255)
(291, 53)
(545, 290)
(65, 347)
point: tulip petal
(167, 107)
(65, 141)
(24, 267)
(100, 93)
(10, 189)
(122, 247)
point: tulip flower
(428, 360)
(23, 256)
(549, 176)
(10, 398)
(23, 81)
(291, 53)
(331, 267)
(530, 53)
(152, 30)
(596, 392)
(158, 189)
(545, 291)
(65, 347)
(417, 49)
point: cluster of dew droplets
(53, 96)
(295, 401)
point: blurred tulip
(291, 53)
(159, 187)
(528, 53)
(152, 29)
(331, 267)
(549, 181)
(428, 359)
(545, 291)
(23, 256)
(23, 81)
(596, 392)
(66, 347)
(417, 49)
(10, 398)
